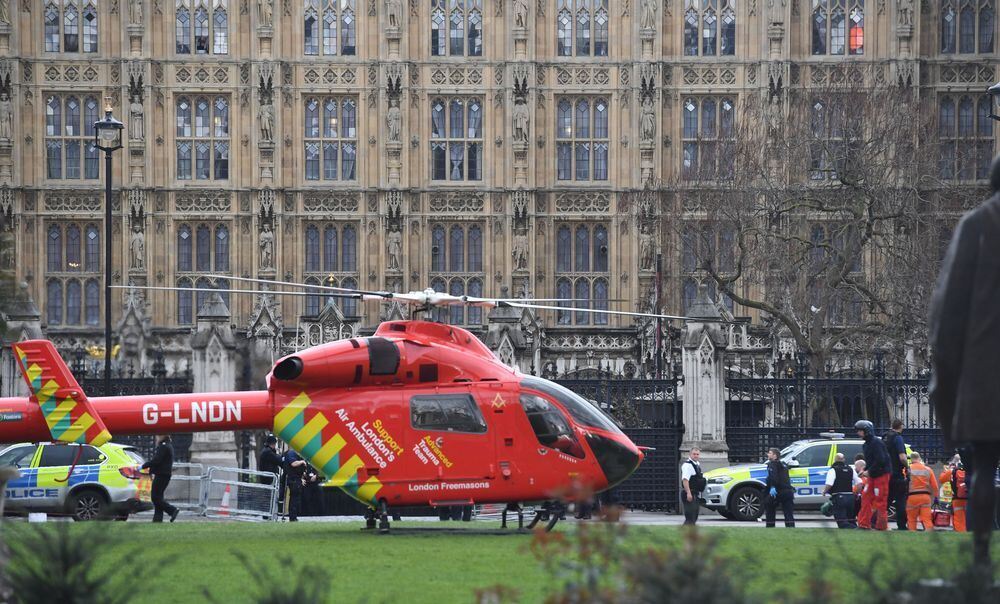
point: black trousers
(160, 505)
(843, 510)
(786, 499)
(899, 489)
(691, 508)
(294, 498)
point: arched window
(93, 249)
(330, 248)
(51, 27)
(456, 139)
(184, 247)
(437, 249)
(185, 310)
(967, 26)
(965, 137)
(582, 28)
(439, 313)
(564, 250)
(457, 28)
(350, 305)
(220, 31)
(456, 311)
(582, 145)
(706, 125)
(332, 141)
(223, 284)
(182, 27)
(90, 27)
(456, 249)
(312, 306)
(92, 302)
(312, 248)
(564, 291)
(582, 249)
(600, 301)
(67, 140)
(475, 249)
(348, 40)
(204, 287)
(71, 27)
(987, 26)
(222, 248)
(208, 141)
(582, 295)
(74, 302)
(311, 30)
(838, 27)
(73, 248)
(475, 313)
(948, 22)
(203, 248)
(54, 249)
(600, 249)
(54, 302)
(349, 253)
(714, 22)
(200, 30)
(689, 291)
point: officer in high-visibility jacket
(955, 475)
(923, 492)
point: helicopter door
(500, 407)
(449, 438)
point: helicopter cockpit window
(550, 425)
(446, 412)
(582, 410)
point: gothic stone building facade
(485, 147)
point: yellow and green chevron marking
(310, 433)
(69, 420)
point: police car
(737, 492)
(105, 481)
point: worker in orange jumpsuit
(955, 474)
(923, 492)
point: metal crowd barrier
(218, 492)
(184, 490)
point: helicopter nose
(617, 459)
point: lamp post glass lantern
(107, 138)
(994, 92)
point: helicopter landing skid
(551, 513)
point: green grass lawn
(439, 567)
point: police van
(737, 492)
(81, 481)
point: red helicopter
(420, 413)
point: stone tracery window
(201, 27)
(457, 28)
(457, 269)
(582, 268)
(329, 27)
(582, 28)
(202, 247)
(965, 133)
(582, 139)
(331, 259)
(709, 27)
(70, 26)
(967, 26)
(706, 128)
(331, 133)
(72, 262)
(703, 242)
(69, 135)
(457, 138)
(202, 138)
(838, 27)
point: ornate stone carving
(330, 202)
(395, 245)
(457, 203)
(6, 115)
(135, 12)
(265, 13)
(137, 203)
(70, 201)
(520, 251)
(394, 203)
(394, 13)
(519, 201)
(266, 244)
(905, 13)
(597, 201)
(137, 247)
(265, 114)
(4, 13)
(203, 202)
(394, 120)
(520, 8)
(647, 20)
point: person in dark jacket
(161, 466)
(965, 353)
(899, 484)
(779, 490)
(295, 469)
(839, 486)
(269, 460)
(875, 496)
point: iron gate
(784, 406)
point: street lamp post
(107, 138)
(994, 92)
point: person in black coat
(965, 354)
(779, 490)
(161, 466)
(269, 460)
(295, 469)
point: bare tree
(826, 217)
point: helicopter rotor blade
(362, 292)
(623, 313)
(236, 291)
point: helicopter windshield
(582, 410)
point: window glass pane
(57, 455)
(54, 301)
(18, 457)
(550, 426)
(221, 45)
(54, 249)
(349, 251)
(93, 302)
(182, 29)
(451, 413)
(201, 31)
(74, 302)
(72, 122)
(815, 456)
(52, 29)
(93, 247)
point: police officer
(295, 469)
(161, 466)
(693, 483)
(779, 490)
(840, 482)
(899, 485)
(269, 460)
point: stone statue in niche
(520, 118)
(520, 251)
(395, 250)
(394, 10)
(647, 252)
(266, 116)
(394, 120)
(4, 12)
(264, 13)
(905, 8)
(137, 248)
(135, 12)
(648, 19)
(521, 14)
(647, 121)
(136, 127)
(6, 115)
(266, 246)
